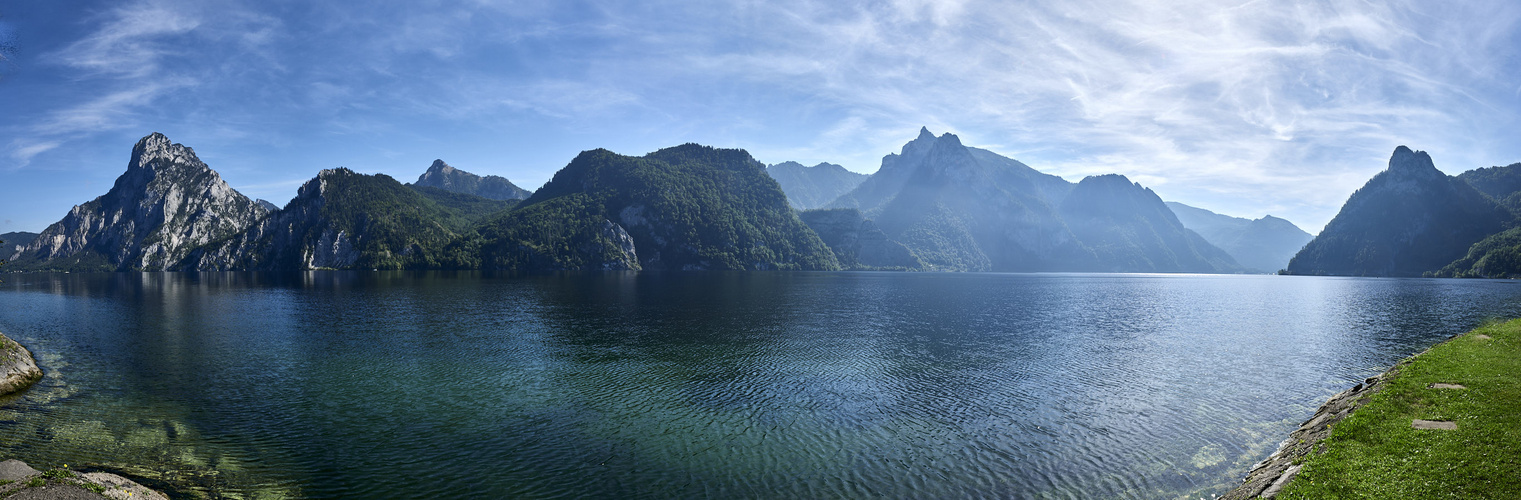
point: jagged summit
(439, 167)
(1406, 161)
(156, 146)
(166, 203)
(443, 176)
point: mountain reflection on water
(657, 385)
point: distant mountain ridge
(935, 205)
(1130, 229)
(1263, 245)
(441, 175)
(166, 203)
(11, 244)
(968, 209)
(813, 187)
(1408, 220)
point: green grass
(1376, 454)
(59, 474)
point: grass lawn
(1375, 453)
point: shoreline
(1270, 476)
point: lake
(703, 384)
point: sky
(1244, 108)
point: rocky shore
(17, 368)
(1269, 477)
(19, 481)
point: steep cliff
(341, 220)
(167, 203)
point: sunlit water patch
(659, 385)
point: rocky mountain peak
(439, 168)
(915, 149)
(443, 176)
(156, 146)
(166, 203)
(1412, 163)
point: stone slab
(1440, 385)
(16, 470)
(55, 491)
(1288, 475)
(1442, 425)
(120, 488)
(1481, 336)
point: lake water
(680, 385)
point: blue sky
(1245, 108)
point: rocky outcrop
(20, 481)
(167, 203)
(441, 175)
(17, 368)
(622, 256)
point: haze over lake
(660, 385)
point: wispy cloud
(1246, 107)
(130, 41)
(1247, 103)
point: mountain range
(1262, 245)
(813, 187)
(934, 205)
(960, 208)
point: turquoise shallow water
(680, 385)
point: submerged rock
(17, 367)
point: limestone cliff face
(297, 237)
(167, 203)
(622, 255)
(17, 368)
(338, 220)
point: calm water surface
(679, 385)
